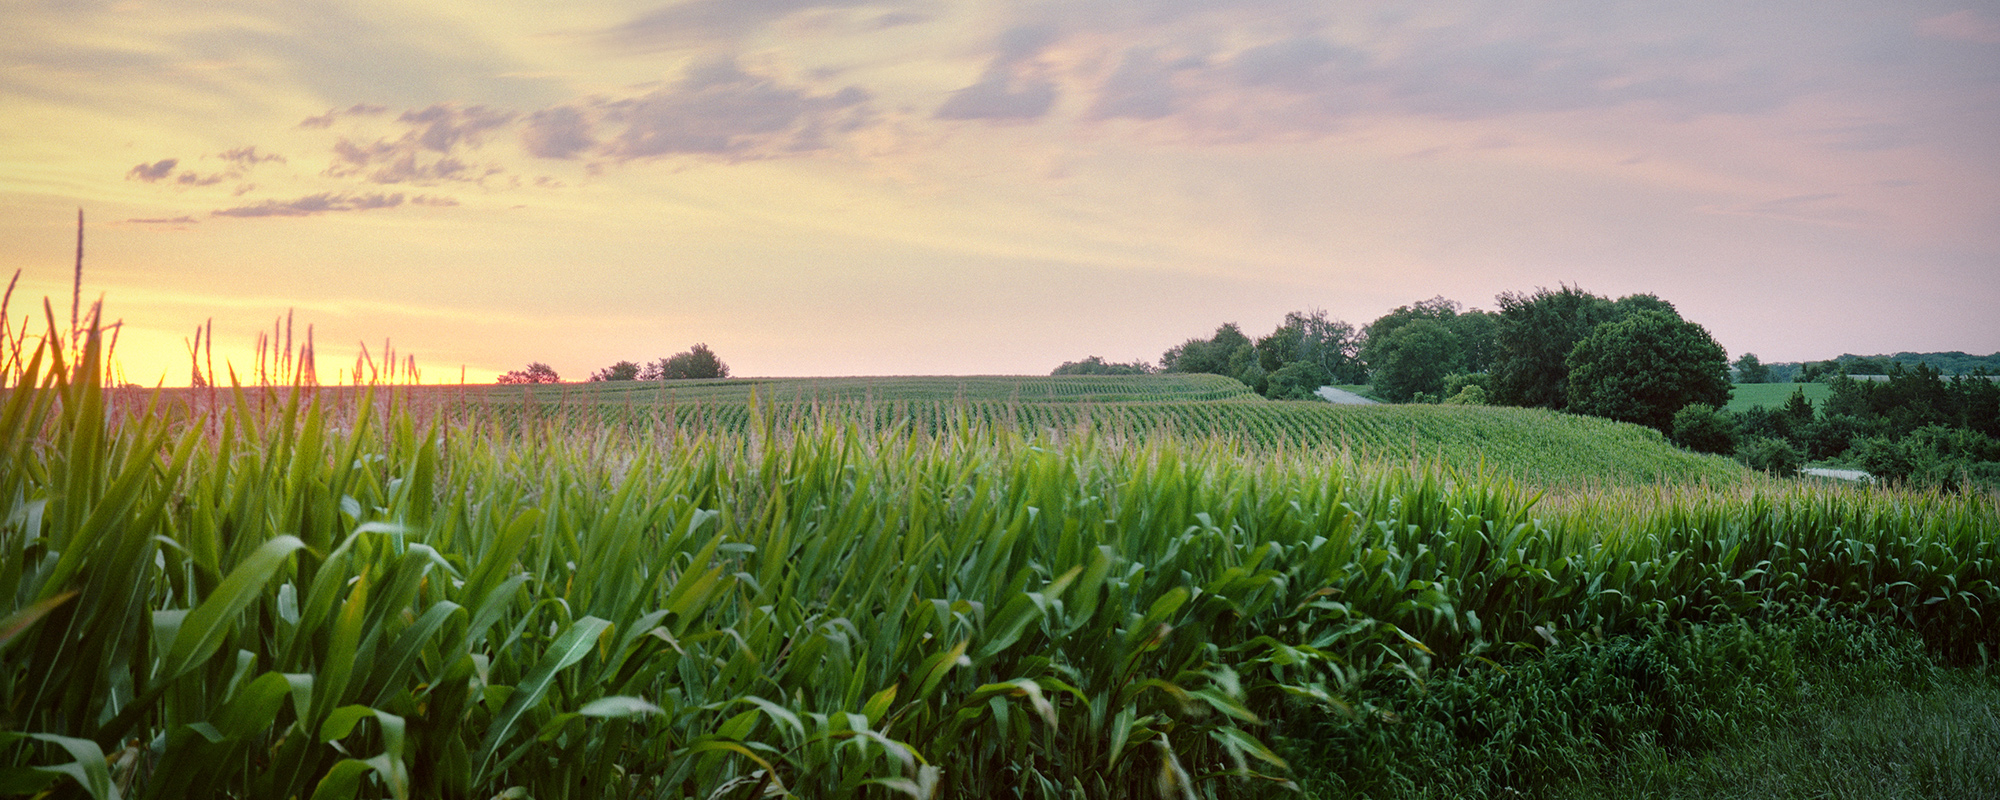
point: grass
(1745, 396)
(388, 592)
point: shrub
(1703, 429)
(1775, 456)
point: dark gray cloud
(560, 132)
(153, 172)
(719, 109)
(1011, 88)
(312, 204)
(710, 21)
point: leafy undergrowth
(1807, 706)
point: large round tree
(1646, 367)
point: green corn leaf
(569, 648)
(202, 631)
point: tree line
(1915, 427)
(695, 362)
(1633, 359)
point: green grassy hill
(1533, 445)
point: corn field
(299, 593)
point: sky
(897, 187)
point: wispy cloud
(180, 220)
(1013, 87)
(720, 109)
(429, 151)
(312, 204)
(712, 21)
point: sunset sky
(854, 187)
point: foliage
(1412, 358)
(1703, 429)
(1095, 365)
(621, 371)
(536, 372)
(1330, 345)
(1580, 712)
(1645, 368)
(697, 362)
(1535, 335)
(1771, 455)
(291, 592)
(1298, 380)
(1471, 394)
(1750, 370)
(1934, 456)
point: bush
(1296, 381)
(1933, 457)
(537, 372)
(1470, 395)
(1529, 727)
(1775, 456)
(1703, 429)
(1096, 365)
(695, 362)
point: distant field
(1533, 445)
(1772, 395)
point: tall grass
(325, 593)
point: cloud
(314, 204)
(1964, 26)
(436, 201)
(1140, 88)
(154, 171)
(427, 152)
(247, 156)
(560, 132)
(719, 109)
(706, 21)
(1011, 88)
(192, 179)
(180, 220)
(333, 115)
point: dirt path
(1343, 397)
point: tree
(1228, 352)
(537, 372)
(1331, 345)
(1750, 370)
(1412, 359)
(1476, 331)
(1645, 368)
(621, 371)
(1295, 381)
(1376, 335)
(1703, 429)
(1535, 335)
(1095, 365)
(695, 362)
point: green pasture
(1745, 396)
